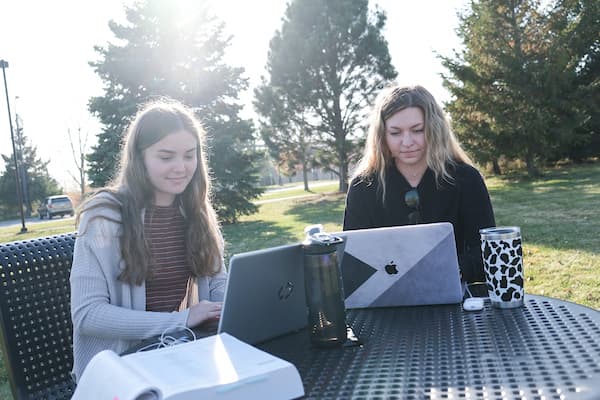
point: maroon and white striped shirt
(165, 233)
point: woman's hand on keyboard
(202, 312)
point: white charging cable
(166, 340)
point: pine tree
(35, 181)
(513, 92)
(574, 24)
(164, 50)
(326, 63)
(284, 131)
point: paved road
(300, 196)
(311, 184)
(300, 185)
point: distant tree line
(524, 87)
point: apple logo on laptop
(391, 269)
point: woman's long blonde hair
(442, 146)
(133, 192)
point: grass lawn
(558, 216)
(37, 229)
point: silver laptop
(264, 296)
(400, 266)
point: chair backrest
(35, 317)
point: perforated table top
(548, 349)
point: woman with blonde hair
(149, 251)
(414, 171)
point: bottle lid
(318, 241)
(313, 229)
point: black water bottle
(324, 288)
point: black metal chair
(35, 319)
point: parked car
(56, 205)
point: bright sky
(48, 45)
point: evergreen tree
(164, 50)
(284, 131)
(513, 93)
(35, 181)
(574, 23)
(325, 64)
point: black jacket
(465, 203)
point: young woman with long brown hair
(149, 251)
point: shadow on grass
(560, 178)
(254, 235)
(322, 210)
(558, 210)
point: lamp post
(22, 168)
(4, 65)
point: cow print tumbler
(503, 265)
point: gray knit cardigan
(106, 312)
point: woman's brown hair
(131, 192)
